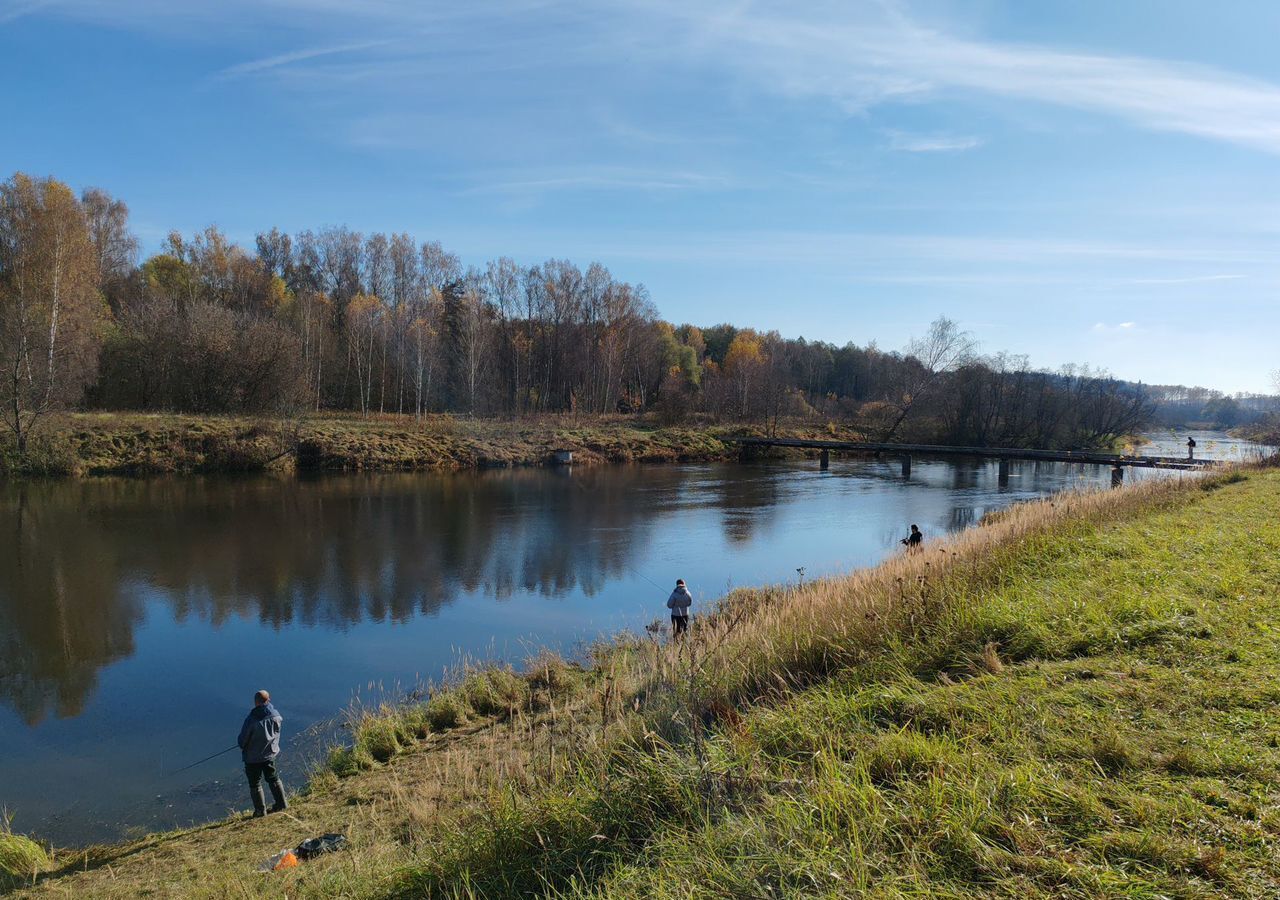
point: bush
(46, 455)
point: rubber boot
(277, 794)
(259, 803)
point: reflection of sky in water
(137, 617)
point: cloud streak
(857, 56)
(859, 60)
(600, 180)
(11, 12)
(1193, 279)
(285, 59)
(918, 143)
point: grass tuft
(21, 859)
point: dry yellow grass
(387, 812)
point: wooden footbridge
(1117, 461)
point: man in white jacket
(679, 603)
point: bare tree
(438, 269)
(944, 348)
(115, 249)
(406, 283)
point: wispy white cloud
(1191, 279)
(11, 12)
(920, 256)
(858, 57)
(937, 143)
(599, 180)
(1121, 328)
(296, 56)
(855, 55)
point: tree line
(333, 319)
(1179, 405)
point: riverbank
(145, 444)
(1265, 433)
(133, 444)
(1072, 699)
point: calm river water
(138, 617)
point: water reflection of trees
(82, 557)
(62, 612)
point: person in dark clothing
(1191, 448)
(259, 743)
(679, 603)
(914, 539)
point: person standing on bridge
(679, 603)
(915, 540)
(259, 743)
(1191, 448)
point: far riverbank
(142, 444)
(146, 444)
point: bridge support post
(1004, 472)
(906, 466)
(1117, 476)
(824, 460)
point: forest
(385, 324)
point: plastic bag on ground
(285, 859)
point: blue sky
(1083, 181)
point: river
(137, 617)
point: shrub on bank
(47, 455)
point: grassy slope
(1073, 701)
(1090, 717)
(145, 444)
(389, 812)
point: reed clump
(21, 859)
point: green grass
(1094, 718)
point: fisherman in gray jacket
(259, 743)
(679, 603)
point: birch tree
(51, 314)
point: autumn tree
(365, 315)
(745, 366)
(51, 313)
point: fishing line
(206, 759)
(599, 540)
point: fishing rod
(206, 759)
(641, 575)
